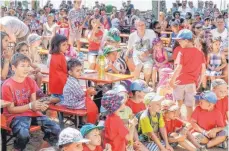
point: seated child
(35, 74)
(151, 127)
(92, 133)
(177, 130)
(71, 139)
(25, 109)
(139, 89)
(207, 121)
(34, 41)
(116, 134)
(74, 96)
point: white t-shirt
(140, 45)
(184, 11)
(216, 34)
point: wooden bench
(165, 41)
(7, 132)
(74, 114)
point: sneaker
(223, 145)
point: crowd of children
(140, 114)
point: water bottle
(101, 66)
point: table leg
(4, 140)
(61, 119)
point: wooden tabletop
(44, 68)
(84, 40)
(43, 51)
(63, 109)
(4, 103)
(108, 78)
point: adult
(19, 13)
(124, 6)
(115, 22)
(197, 18)
(76, 18)
(209, 9)
(174, 7)
(200, 8)
(15, 28)
(162, 21)
(156, 27)
(97, 5)
(140, 43)
(63, 4)
(34, 25)
(44, 17)
(184, 9)
(70, 5)
(191, 7)
(96, 13)
(129, 7)
(176, 17)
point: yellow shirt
(125, 113)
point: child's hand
(181, 138)
(36, 105)
(91, 91)
(107, 147)
(168, 147)
(44, 106)
(211, 133)
(37, 70)
(217, 69)
(8, 54)
(133, 122)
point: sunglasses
(158, 28)
(76, 2)
(198, 27)
(29, 15)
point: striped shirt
(74, 96)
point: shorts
(152, 146)
(74, 36)
(92, 55)
(199, 136)
(59, 96)
(146, 65)
(186, 93)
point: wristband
(204, 132)
(30, 106)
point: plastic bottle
(101, 66)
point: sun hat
(140, 85)
(126, 84)
(168, 105)
(112, 101)
(114, 35)
(184, 34)
(152, 97)
(120, 88)
(70, 135)
(218, 82)
(32, 38)
(208, 96)
(156, 40)
(87, 128)
(108, 49)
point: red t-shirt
(191, 60)
(98, 148)
(208, 119)
(19, 94)
(93, 46)
(136, 107)
(176, 51)
(222, 106)
(57, 73)
(115, 133)
(172, 125)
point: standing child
(25, 109)
(95, 36)
(58, 66)
(160, 58)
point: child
(23, 48)
(24, 108)
(175, 30)
(151, 124)
(178, 131)
(116, 134)
(160, 58)
(216, 60)
(207, 121)
(58, 66)
(34, 41)
(207, 24)
(71, 139)
(139, 89)
(95, 36)
(63, 26)
(92, 133)
(74, 96)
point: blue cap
(140, 85)
(184, 34)
(208, 96)
(87, 128)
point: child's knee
(23, 135)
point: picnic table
(42, 51)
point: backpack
(142, 137)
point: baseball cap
(108, 49)
(208, 96)
(140, 85)
(114, 35)
(87, 128)
(218, 82)
(32, 38)
(126, 84)
(184, 34)
(120, 88)
(152, 97)
(70, 135)
(169, 105)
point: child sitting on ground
(71, 139)
(207, 121)
(34, 41)
(116, 134)
(92, 133)
(139, 89)
(35, 74)
(25, 109)
(151, 127)
(74, 96)
(177, 130)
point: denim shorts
(59, 96)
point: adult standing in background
(184, 9)
(44, 17)
(76, 18)
(192, 8)
(162, 21)
(200, 8)
(129, 7)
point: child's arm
(92, 37)
(35, 67)
(165, 138)
(166, 58)
(208, 62)
(197, 128)
(203, 71)
(224, 63)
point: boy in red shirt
(24, 109)
(189, 72)
(116, 134)
(177, 130)
(207, 121)
(139, 89)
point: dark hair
(176, 44)
(72, 63)
(19, 45)
(89, 23)
(220, 17)
(3, 35)
(17, 58)
(176, 12)
(55, 43)
(153, 26)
